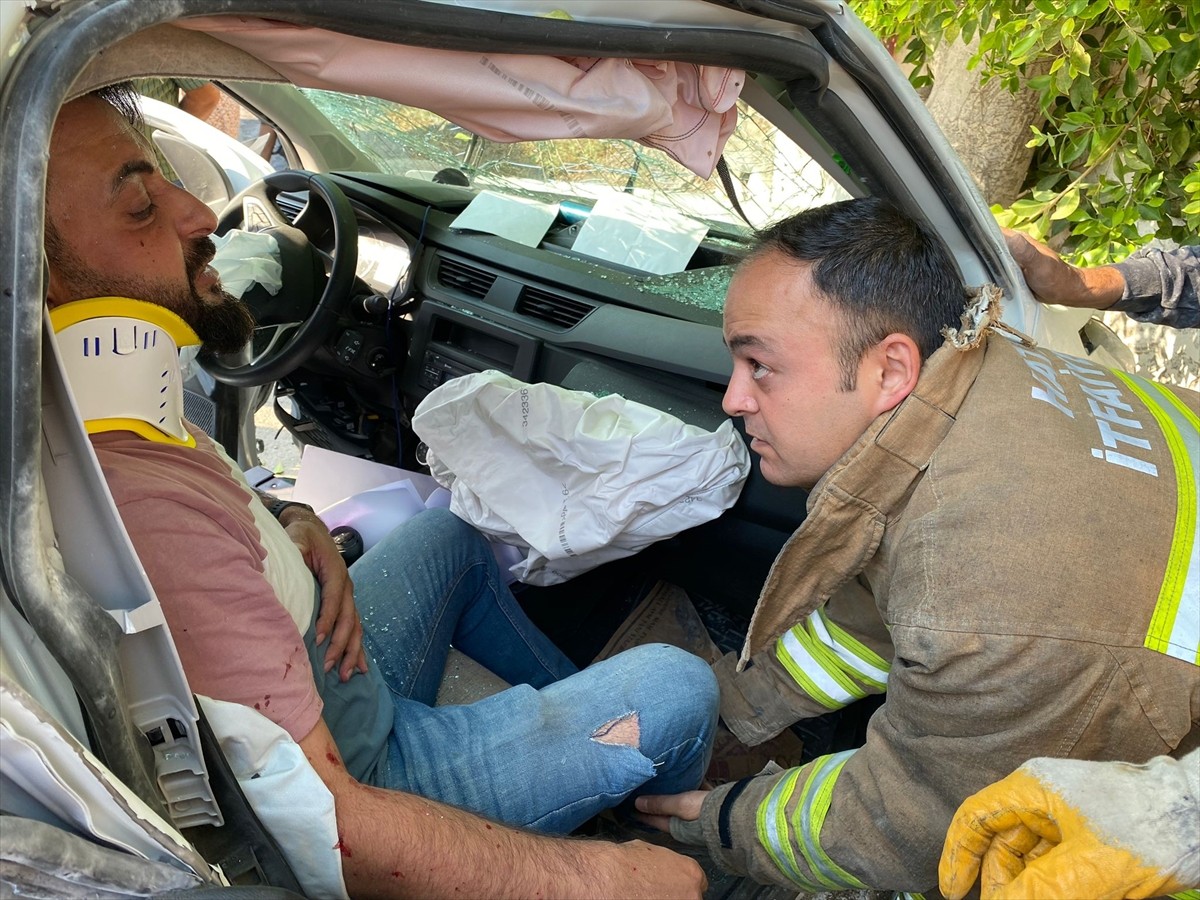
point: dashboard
(432, 302)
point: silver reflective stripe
(771, 812)
(831, 694)
(865, 669)
(810, 817)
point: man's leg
(550, 759)
(434, 582)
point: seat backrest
(97, 554)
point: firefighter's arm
(963, 710)
(1060, 828)
(747, 829)
(1054, 280)
(837, 655)
(826, 826)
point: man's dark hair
(124, 99)
(884, 271)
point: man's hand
(678, 814)
(338, 617)
(1054, 280)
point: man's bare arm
(1054, 280)
(394, 843)
(201, 101)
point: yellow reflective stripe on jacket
(1186, 895)
(827, 662)
(773, 831)
(1175, 625)
(815, 668)
(779, 832)
(809, 818)
(856, 658)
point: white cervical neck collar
(121, 358)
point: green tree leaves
(1117, 160)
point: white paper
(516, 218)
(374, 513)
(634, 232)
(325, 477)
(373, 498)
(285, 792)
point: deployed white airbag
(246, 258)
(573, 479)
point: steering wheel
(293, 323)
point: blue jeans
(561, 744)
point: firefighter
(1002, 537)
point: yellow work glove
(1059, 828)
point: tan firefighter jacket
(1012, 553)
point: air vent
(291, 205)
(465, 278)
(552, 308)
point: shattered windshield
(769, 176)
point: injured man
(428, 800)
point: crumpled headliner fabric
(685, 110)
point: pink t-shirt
(233, 587)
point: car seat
(103, 639)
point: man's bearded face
(116, 228)
(223, 323)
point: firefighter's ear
(889, 371)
